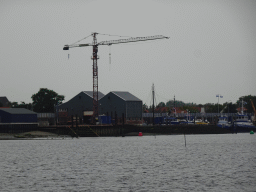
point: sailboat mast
(153, 95)
(242, 107)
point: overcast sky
(211, 49)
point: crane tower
(95, 57)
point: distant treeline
(227, 107)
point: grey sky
(211, 50)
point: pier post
(116, 119)
(76, 121)
(122, 129)
(72, 123)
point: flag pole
(218, 103)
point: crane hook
(109, 56)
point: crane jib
(84, 45)
(135, 39)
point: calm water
(148, 163)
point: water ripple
(208, 163)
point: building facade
(79, 104)
(17, 115)
(119, 103)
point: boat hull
(225, 126)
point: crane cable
(80, 40)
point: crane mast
(95, 57)
(95, 77)
(254, 111)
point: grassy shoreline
(29, 135)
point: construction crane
(95, 57)
(254, 119)
(223, 109)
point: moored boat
(243, 123)
(171, 120)
(224, 123)
(201, 122)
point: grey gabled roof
(90, 94)
(17, 111)
(126, 96)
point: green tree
(144, 107)
(170, 104)
(45, 100)
(14, 104)
(21, 105)
(247, 102)
(178, 103)
(161, 104)
(230, 107)
(212, 108)
(191, 109)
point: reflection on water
(208, 163)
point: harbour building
(121, 103)
(80, 106)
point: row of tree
(227, 107)
(44, 101)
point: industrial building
(17, 119)
(4, 102)
(80, 105)
(119, 103)
(17, 115)
(115, 102)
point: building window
(80, 97)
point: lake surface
(208, 163)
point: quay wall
(126, 130)
(178, 129)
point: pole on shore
(185, 138)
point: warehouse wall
(77, 105)
(111, 103)
(134, 110)
(17, 118)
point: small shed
(17, 115)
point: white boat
(201, 122)
(242, 122)
(190, 120)
(224, 123)
(170, 120)
(182, 121)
